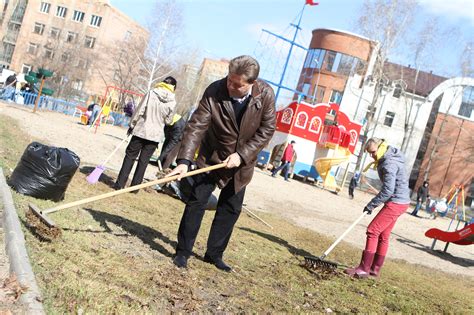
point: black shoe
(218, 262)
(134, 191)
(116, 186)
(180, 261)
(273, 175)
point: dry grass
(114, 256)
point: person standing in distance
(234, 121)
(156, 110)
(395, 197)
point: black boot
(180, 261)
(218, 262)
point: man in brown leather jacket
(233, 122)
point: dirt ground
(303, 204)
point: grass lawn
(114, 256)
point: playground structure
(325, 137)
(32, 78)
(464, 236)
(112, 97)
(455, 200)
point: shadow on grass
(463, 262)
(146, 234)
(292, 249)
(104, 178)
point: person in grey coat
(395, 197)
(146, 127)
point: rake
(42, 215)
(95, 174)
(320, 262)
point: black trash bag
(44, 172)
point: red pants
(378, 232)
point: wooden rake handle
(342, 236)
(132, 188)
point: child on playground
(438, 207)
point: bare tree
(466, 60)
(384, 21)
(71, 60)
(165, 27)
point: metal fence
(65, 107)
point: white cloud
(451, 8)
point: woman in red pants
(395, 197)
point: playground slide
(463, 236)
(323, 165)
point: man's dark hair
(246, 66)
(171, 80)
(293, 142)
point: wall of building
(453, 160)
(355, 104)
(114, 28)
(318, 74)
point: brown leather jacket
(213, 129)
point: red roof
(427, 81)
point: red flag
(310, 2)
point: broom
(55, 231)
(95, 174)
(320, 262)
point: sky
(225, 28)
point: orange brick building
(332, 57)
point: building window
(96, 20)
(346, 65)
(337, 61)
(319, 94)
(39, 28)
(48, 53)
(314, 58)
(397, 92)
(71, 37)
(32, 48)
(353, 134)
(286, 116)
(77, 85)
(128, 35)
(89, 42)
(336, 97)
(301, 120)
(45, 6)
(370, 112)
(389, 116)
(467, 105)
(25, 68)
(82, 63)
(54, 32)
(315, 125)
(78, 16)
(305, 91)
(61, 12)
(65, 57)
(329, 60)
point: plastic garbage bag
(44, 172)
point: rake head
(41, 224)
(317, 263)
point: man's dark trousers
(136, 146)
(228, 210)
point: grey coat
(392, 173)
(152, 114)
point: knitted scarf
(380, 153)
(164, 85)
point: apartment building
(80, 40)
